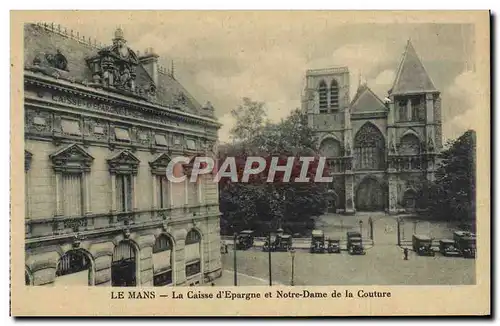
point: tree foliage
(452, 196)
(262, 205)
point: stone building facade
(101, 124)
(379, 152)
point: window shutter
(192, 252)
(72, 194)
(162, 261)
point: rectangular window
(193, 193)
(190, 144)
(162, 279)
(162, 188)
(160, 140)
(124, 192)
(122, 135)
(71, 127)
(177, 140)
(193, 269)
(72, 194)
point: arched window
(330, 148)
(123, 267)
(192, 253)
(74, 268)
(369, 148)
(409, 145)
(323, 97)
(162, 261)
(334, 94)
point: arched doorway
(163, 261)
(370, 195)
(74, 269)
(192, 253)
(410, 200)
(124, 265)
(331, 201)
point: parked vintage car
(447, 247)
(317, 241)
(355, 243)
(279, 242)
(422, 245)
(244, 240)
(333, 246)
(466, 243)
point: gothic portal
(378, 152)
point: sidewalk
(227, 279)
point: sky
(223, 58)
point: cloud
(461, 105)
(227, 122)
(382, 83)
(362, 59)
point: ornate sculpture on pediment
(115, 65)
(57, 60)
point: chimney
(149, 61)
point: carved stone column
(393, 192)
(113, 192)
(155, 192)
(58, 194)
(86, 177)
(134, 192)
(349, 193)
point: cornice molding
(102, 95)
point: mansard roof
(411, 76)
(44, 43)
(365, 100)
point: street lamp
(235, 265)
(292, 253)
(270, 268)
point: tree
(453, 194)
(250, 117)
(260, 205)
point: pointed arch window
(369, 148)
(334, 95)
(323, 97)
(409, 145)
(330, 148)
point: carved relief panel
(38, 121)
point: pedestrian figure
(405, 251)
(225, 249)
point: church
(102, 122)
(379, 152)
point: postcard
(250, 163)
